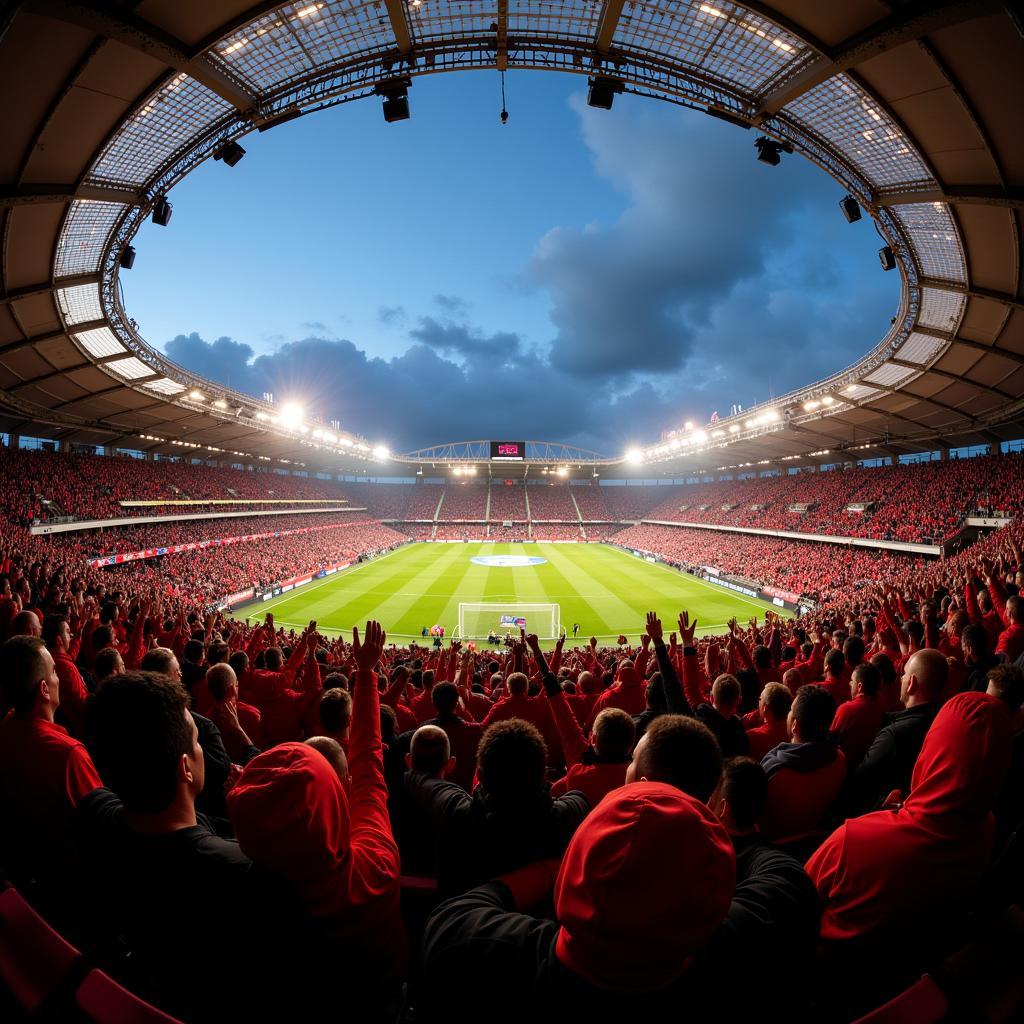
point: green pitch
(605, 590)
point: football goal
(478, 621)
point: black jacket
(475, 840)
(481, 958)
(889, 762)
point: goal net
(478, 621)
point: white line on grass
(266, 606)
(763, 605)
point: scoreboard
(508, 451)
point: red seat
(922, 1003)
(34, 959)
(102, 1000)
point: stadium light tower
(634, 456)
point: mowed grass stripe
(423, 579)
(573, 600)
(604, 603)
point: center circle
(507, 561)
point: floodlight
(602, 91)
(162, 212)
(291, 415)
(688, 425)
(221, 404)
(563, 471)
(197, 396)
(811, 405)
(851, 211)
(634, 456)
(229, 152)
(127, 258)
(887, 257)
(381, 451)
(768, 150)
(395, 92)
(827, 400)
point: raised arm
(675, 700)
(375, 861)
(574, 743)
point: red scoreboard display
(508, 451)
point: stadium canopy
(914, 107)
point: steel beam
(973, 292)
(399, 24)
(608, 23)
(983, 195)
(17, 294)
(35, 195)
(910, 22)
(122, 26)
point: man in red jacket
(43, 771)
(63, 648)
(629, 692)
(773, 710)
(870, 872)
(857, 722)
(836, 681)
(805, 775)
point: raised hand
(687, 629)
(367, 653)
(653, 626)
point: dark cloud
(421, 398)
(703, 217)
(460, 340)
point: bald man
(26, 624)
(890, 759)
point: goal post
(478, 621)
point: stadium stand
(914, 503)
(209, 819)
(465, 501)
(552, 501)
(508, 503)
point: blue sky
(576, 275)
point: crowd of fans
(243, 820)
(551, 501)
(916, 503)
(556, 531)
(825, 572)
(924, 503)
(464, 501)
(41, 486)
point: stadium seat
(99, 998)
(35, 961)
(922, 1003)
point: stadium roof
(914, 107)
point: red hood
(613, 933)
(291, 816)
(628, 676)
(962, 764)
